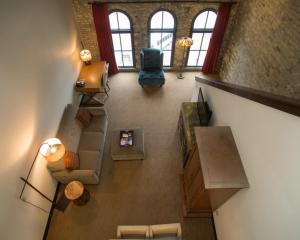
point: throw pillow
(84, 116)
(71, 160)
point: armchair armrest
(142, 60)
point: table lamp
(86, 56)
(183, 42)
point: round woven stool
(76, 192)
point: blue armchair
(151, 73)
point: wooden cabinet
(213, 172)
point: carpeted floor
(137, 192)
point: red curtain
(105, 43)
(210, 62)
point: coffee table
(135, 152)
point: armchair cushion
(152, 78)
(151, 59)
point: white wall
(38, 66)
(268, 141)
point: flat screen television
(203, 109)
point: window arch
(203, 26)
(121, 30)
(161, 31)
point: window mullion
(202, 37)
(120, 39)
(162, 25)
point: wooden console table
(213, 172)
(93, 76)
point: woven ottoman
(135, 152)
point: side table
(76, 192)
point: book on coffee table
(126, 138)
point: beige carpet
(137, 192)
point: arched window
(203, 27)
(122, 38)
(162, 29)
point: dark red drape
(104, 37)
(210, 62)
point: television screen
(203, 109)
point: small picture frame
(126, 138)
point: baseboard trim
(51, 212)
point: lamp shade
(85, 55)
(184, 42)
(52, 149)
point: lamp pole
(180, 75)
(183, 42)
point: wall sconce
(86, 56)
(183, 42)
(52, 150)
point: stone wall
(264, 47)
(139, 14)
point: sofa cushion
(89, 160)
(84, 116)
(97, 124)
(91, 141)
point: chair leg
(106, 92)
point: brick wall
(139, 14)
(264, 47)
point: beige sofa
(87, 142)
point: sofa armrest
(96, 111)
(85, 176)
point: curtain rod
(182, 1)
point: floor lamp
(52, 150)
(183, 42)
